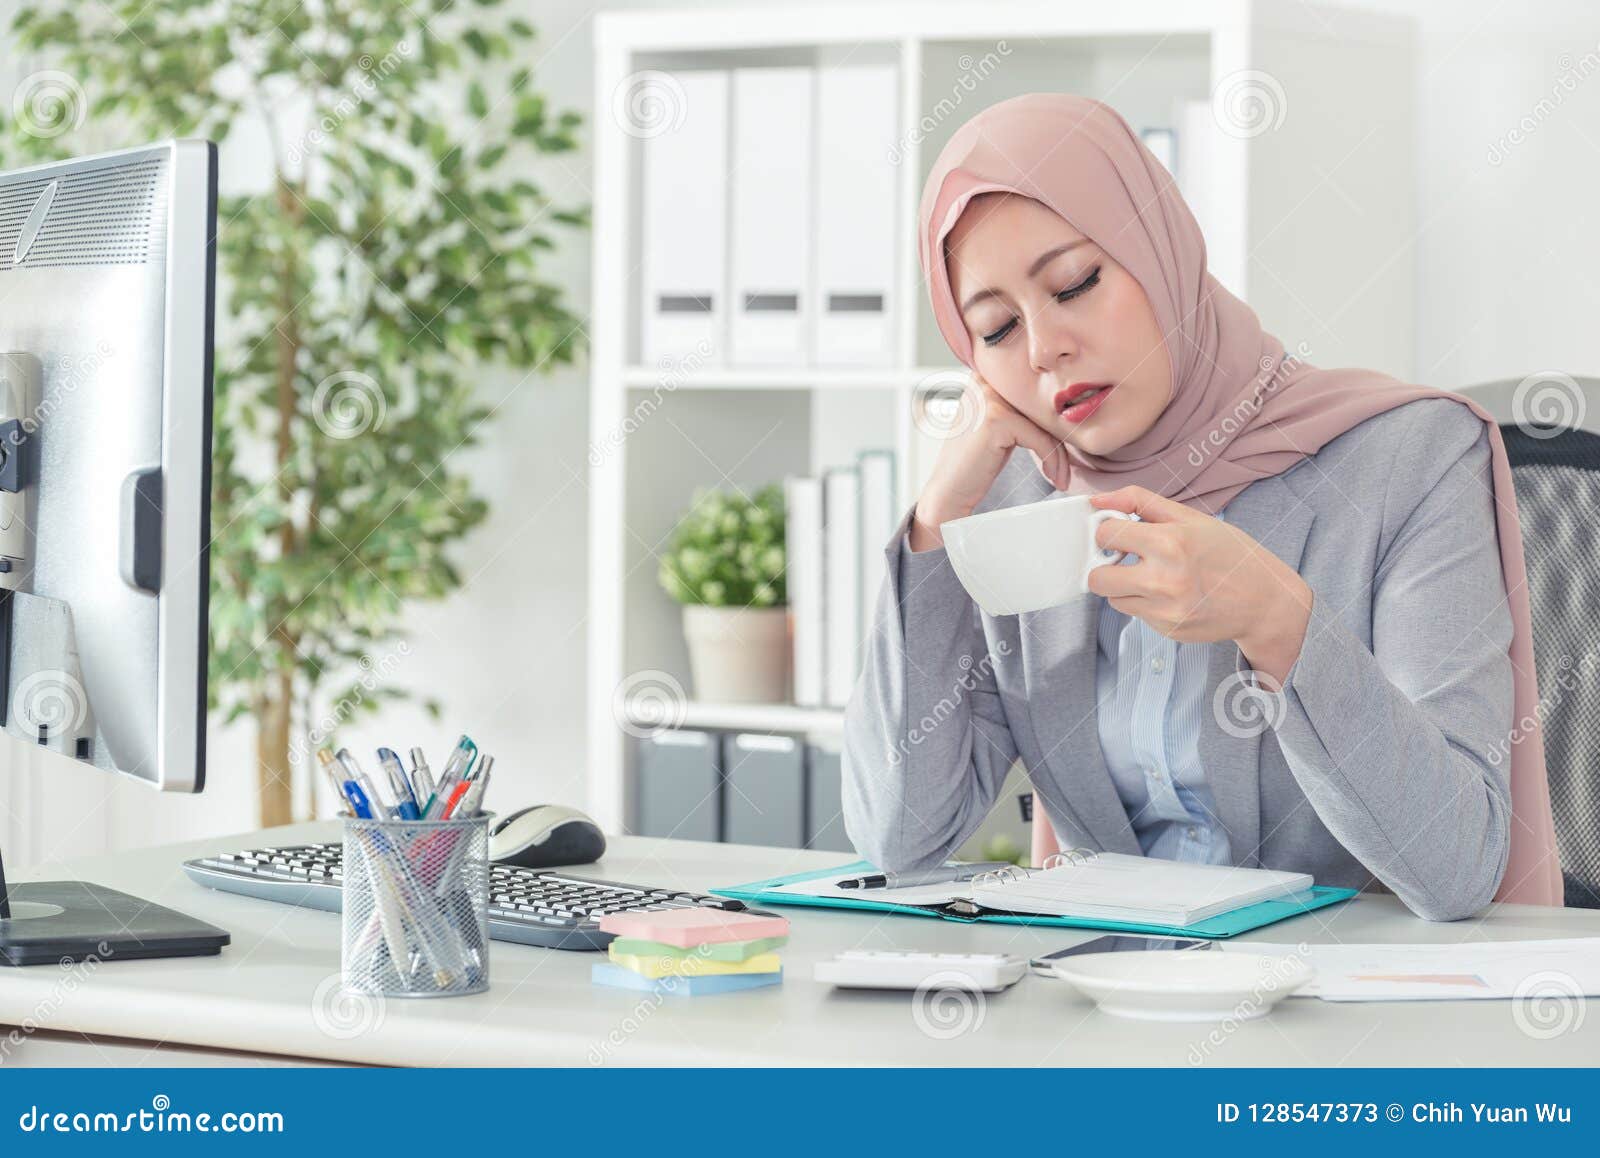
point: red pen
(455, 799)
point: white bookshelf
(1311, 221)
(820, 723)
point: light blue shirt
(1151, 698)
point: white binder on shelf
(1201, 147)
(856, 223)
(805, 582)
(773, 142)
(841, 601)
(1163, 143)
(684, 225)
(878, 519)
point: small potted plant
(725, 565)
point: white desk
(274, 992)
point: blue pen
(406, 802)
(377, 807)
(358, 800)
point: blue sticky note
(620, 978)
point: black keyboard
(555, 910)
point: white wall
(1507, 250)
(1507, 284)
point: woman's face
(1050, 314)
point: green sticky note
(717, 951)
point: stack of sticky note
(692, 951)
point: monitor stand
(58, 922)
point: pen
(937, 876)
(454, 772)
(326, 761)
(473, 804)
(467, 808)
(463, 793)
(359, 803)
(348, 789)
(406, 804)
(455, 799)
(421, 779)
(377, 807)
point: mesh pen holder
(416, 907)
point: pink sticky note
(687, 927)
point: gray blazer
(1385, 766)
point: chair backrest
(1556, 468)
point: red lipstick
(1067, 400)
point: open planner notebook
(1080, 888)
(1117, 887)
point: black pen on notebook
(946, 874)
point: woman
(1309, 658)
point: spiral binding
(1013, 872)
(1070, 856)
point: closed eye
(1066, 295)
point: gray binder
(824, 801)
(764, 791)
(680, 792)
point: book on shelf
(802, 498)
(841, 597)
(837, 527)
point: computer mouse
(545, 835)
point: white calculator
(891, 969)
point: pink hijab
(1241, 409)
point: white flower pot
(738, 655)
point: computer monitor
(107, 297)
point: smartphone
(1113, 943)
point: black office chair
(1555, 464)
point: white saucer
(1185, 984)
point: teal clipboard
(1214, 928)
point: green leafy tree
(388, 259)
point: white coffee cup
(1030, 557)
